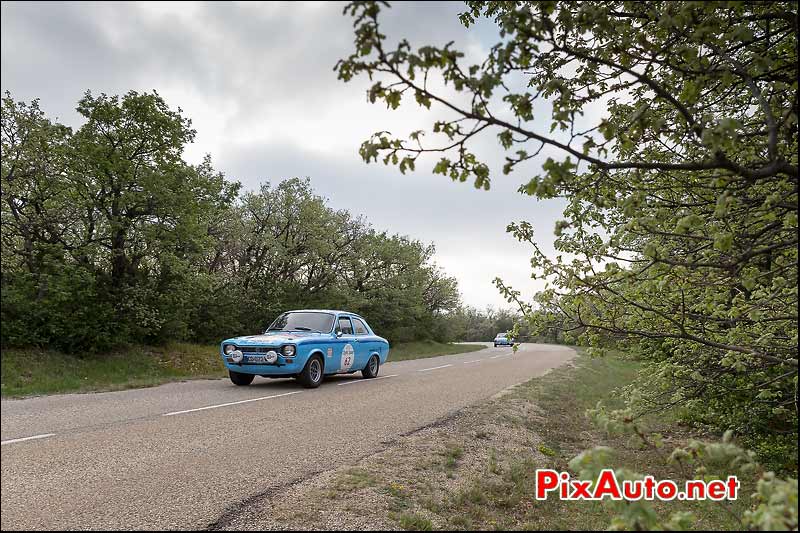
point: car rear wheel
(311, 376)
(373, 366)
(241, 380)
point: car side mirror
(339, 334)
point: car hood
(274, 337)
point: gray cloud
(257, 80)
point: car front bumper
(280, 368)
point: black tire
(241, 380)
(373, 367)
(495, 345)
(312, 374)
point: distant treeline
(109, 238)
(470, 324)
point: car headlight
(228, 348)
(271, 356)
(288, 350)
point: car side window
(361, 329)
(345, 326)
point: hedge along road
(188, 455)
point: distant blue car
(502, 339)
(307, 345)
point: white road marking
(367, 380)
(503, 355)
(475, 361)
(231, 403)
(12, 441)
(434, 368)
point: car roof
(332, 311)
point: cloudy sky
(257, 81)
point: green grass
(349, 481)
(32, 371)
(451, 455)
(353, 479)
(413, 522)
(423, 349)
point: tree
(471, 324)
(110, 237)
(680, 235)
(38, 217)
(34, 195)
(103, 225)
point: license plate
(255, 358)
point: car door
(347, 344)
(365, 343)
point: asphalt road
(188, 455)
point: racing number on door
(348, 356)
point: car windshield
(302, 321)
(501, 336)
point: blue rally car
(307, 345)
(502, 339)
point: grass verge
(32, 371)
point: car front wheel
(239, 379)
(373, 366)
(311, 376)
